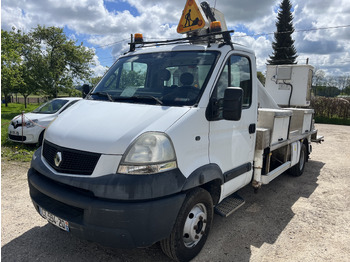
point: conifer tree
(284, 51)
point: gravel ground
(291, 219)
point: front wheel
(191, 228)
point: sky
(322, 27)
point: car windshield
(166, 78)
(51, 107)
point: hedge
(331, 107)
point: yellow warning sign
(192, 19)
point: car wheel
(191, 228)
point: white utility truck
(167, 137)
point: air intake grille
(18, 138)
(72, 161)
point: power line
(111, 44)
(251, 35)
(241, 36)
(300, 30)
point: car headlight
(31, 123)
(150, 153)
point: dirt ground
(291, 219)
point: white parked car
(31, 129)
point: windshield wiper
(105, 94)
(143, 97)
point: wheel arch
(41, 137)
(208, 177)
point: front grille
(73, 161)
(18, 138)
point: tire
(191, 228)
(298, 169)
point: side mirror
(86, 90)
(232, 109)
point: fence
(30, 100)
(331, 107)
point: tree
(42, 60)
(343, 82)
(327, 91)
(319, 77)
(29, 63)
(132, 78)
(11, 77)
(284, 51)
(261, 77)
(57, 61)
(94, 80)
(346, 90)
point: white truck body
(147, 158)
(281, 80)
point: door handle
(252, 128)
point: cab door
(231, 143)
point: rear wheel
(298, 169)
(191, 228)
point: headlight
(150, 153)
(31, 123)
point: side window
(223, 83)
(241, 77)
(236, 73)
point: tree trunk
(6, 98)
(25, 101)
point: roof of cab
(188, 47)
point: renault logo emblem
(58, 159)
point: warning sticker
(192, 19)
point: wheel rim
(302, 160)
(195, 225)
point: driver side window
(236, 73)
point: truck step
(229, 205)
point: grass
(11, 150)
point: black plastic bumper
(110, 223)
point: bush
(331, 109)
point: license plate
(59, 222)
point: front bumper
(111, 222)
(26, 136)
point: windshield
(51, 107)
(168, 78)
